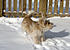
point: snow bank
(58, 38)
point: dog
(36, 29)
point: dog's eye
(48, 22)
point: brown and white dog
(35, 29)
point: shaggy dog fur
(36, 29)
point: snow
(12, 37)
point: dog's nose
(54, 25)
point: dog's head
(48, 24)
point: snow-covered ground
(12, 37)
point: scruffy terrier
(36, 29)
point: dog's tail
(31, 13)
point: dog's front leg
(36, 40)
(42, 37)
